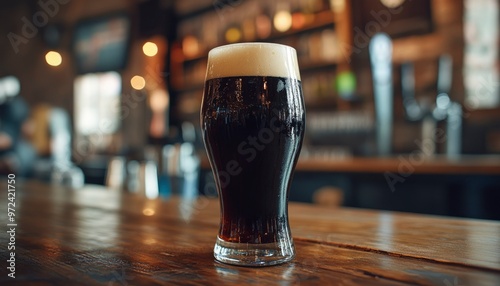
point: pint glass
(253, 122)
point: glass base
(250, 254)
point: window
(97, 109)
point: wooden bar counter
(99, 236)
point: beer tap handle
(451, 111)
(454, 123)
(412, 109)
(381, 61)
(188, 132)
(443, 87)
(444, 74)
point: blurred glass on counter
(181, 166)
(160, 170)
(64, 172)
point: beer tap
(413, 110)
(381, 61)
(444, 108)
(416, 111)
(443, 101)
(447, 109)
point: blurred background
(402, 97)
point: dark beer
(253, 128)
(253, 122)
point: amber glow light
(148, 212)
(283, 21)
(158, 100)
(138, 82)
(53, 58)
(392, 3)
(233, 35)
(150, 49)
(298, 20)
(190, 46)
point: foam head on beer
(253, 59)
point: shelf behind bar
(477, 165)
(322, 20)
(305, 67)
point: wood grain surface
(99, 236)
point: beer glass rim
(253, 59)
(268, 44)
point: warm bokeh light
(338, 5)
(248, 28)
(138, 82)
(53, 58)
(150, 49)
(148, 212)
(233, 35)
(190, 46)
(283, 21)
(298, 20)
(392, 3)
(158, 100)
(150, 241)
(263, 26)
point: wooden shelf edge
(471, 165)
(439, 165)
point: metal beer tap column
(381, 61)
(447, 109)
(444, 108)
(416, 111)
